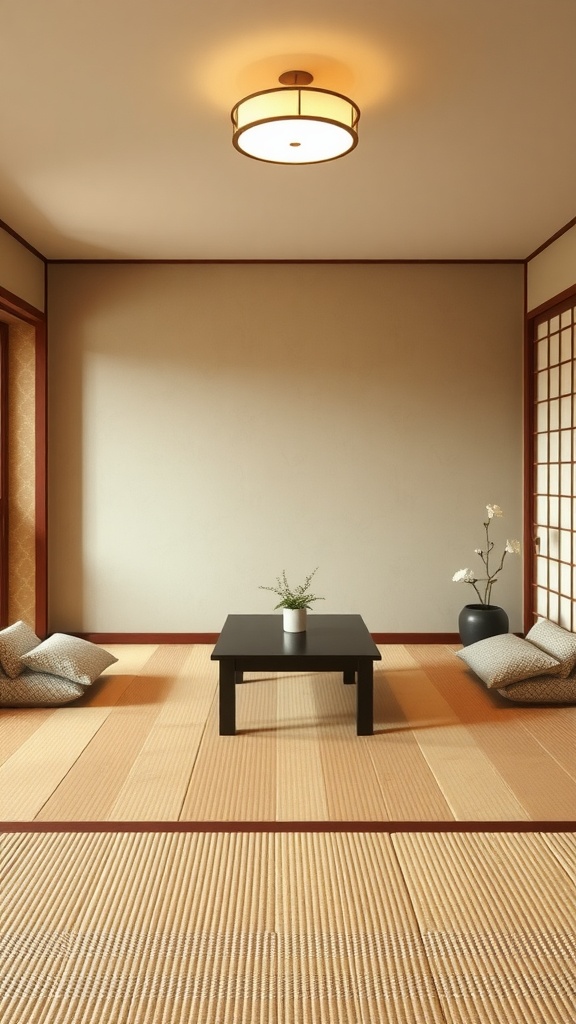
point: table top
(327, 636)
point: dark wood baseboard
(149, 638)
(211, 638)
(415, 638)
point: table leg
(365, 698)
(227, 697)
(349, 676)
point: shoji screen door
(551, 585)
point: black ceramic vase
(479, 621)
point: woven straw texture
(143, 745)
(497, 915)
(293, 928)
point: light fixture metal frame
(351, 129)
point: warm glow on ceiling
(343, 62)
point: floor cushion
(38, 690)
(507, 658)
(556, 641)
(15, 641)
(542, 690)
(69, 657)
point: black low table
(331, 643)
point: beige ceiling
(116, 134)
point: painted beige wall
(553, 270)
(211, 425)
(21, 272)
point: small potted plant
(294, 601)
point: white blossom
(513, 547)
(484, 583)
(464, 576)
(494, 510)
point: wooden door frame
(546, 308)
(4, 497)
(22, 310)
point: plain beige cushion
(556, 641)
(69, 657)
(506, 658)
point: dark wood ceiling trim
(555, 300)
(552, 238)
(239, 261)
(18, 307)
(6, 227)
(10, 231)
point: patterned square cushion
(69, 657)
(506, 658)
(556, 641)
(15, 641)
(37, 690)
(542, 690)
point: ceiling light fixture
(295, 124)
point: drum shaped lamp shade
(295, 124)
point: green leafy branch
(297, 597)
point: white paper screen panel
(554, 472)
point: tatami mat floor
(256, 914)
(143, 745)
(293, 928)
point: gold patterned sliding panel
(554, 473)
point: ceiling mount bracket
(296, 78)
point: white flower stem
(467, 575)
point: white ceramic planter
(294, 620)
